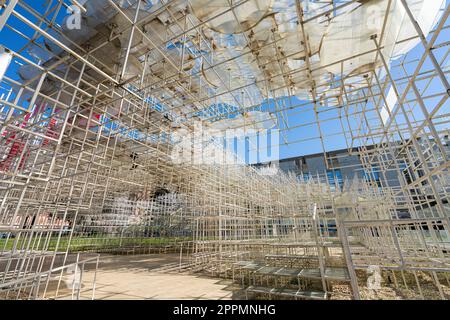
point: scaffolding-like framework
(97, 96)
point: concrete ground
(135, 277)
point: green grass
(88, 243)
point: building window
(335, 176)
(306, 177)
(372, 175)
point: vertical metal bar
(7, 12)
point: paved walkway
(131, 277)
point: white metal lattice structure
(90, 112)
